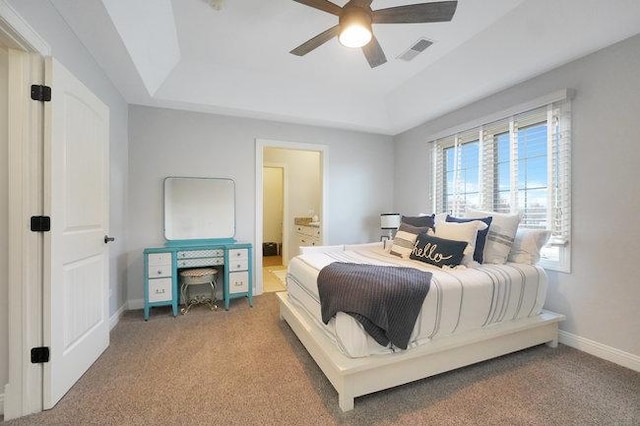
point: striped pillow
(501, 234)
(405, 239)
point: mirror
(199, 208)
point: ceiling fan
(356, 17)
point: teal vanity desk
(162, 264)
(199, 226)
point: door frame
(261, 144)
(23, 392)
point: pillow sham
(481, 238)
(426, 220)
(500, 236)
(466, 232)
(404, 239)
(527, 245)
(438, 251)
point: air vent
(417, 48)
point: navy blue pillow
(481, 239)
(420, 221)
(438, 251)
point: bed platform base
(353, 377)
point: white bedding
(459, 299)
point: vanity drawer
(235, 254)
(238, 264)
(159, 259)
(160, 290)
(239, 282)
(192, 254)
(159, 270)
(190, 263)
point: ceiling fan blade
(317, 41)
(374, 53)
(360, 3)
(324, 5)
(416, 13)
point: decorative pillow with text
(438, 251)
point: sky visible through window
(531, 178)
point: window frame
(555, 111)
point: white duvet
(458, 300)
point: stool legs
(198, 299)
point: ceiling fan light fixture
(355, 28)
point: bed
(468, 315)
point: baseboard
(608, 353)
(113, 320)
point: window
(519, 163)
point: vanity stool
(196, 276)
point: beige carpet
(246, 367)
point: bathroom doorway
(274, 270)
(303, 194)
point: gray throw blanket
(385, 299)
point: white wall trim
(115, 318)
(23, 393)
(22, 35)
(599, 350)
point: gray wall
(601, 295)
(166, 142)
(68, 50)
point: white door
(76, 280)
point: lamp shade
(389, 220)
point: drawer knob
(159, 272)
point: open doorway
(273, 267)
(303, 194)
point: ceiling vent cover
(417, 48)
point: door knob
(108, 239)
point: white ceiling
(236, 61)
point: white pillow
(527, 244)
(501, 235)
(466, 231)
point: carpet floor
(246, 367)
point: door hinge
(40, 93)
(40, 223)
(40, 355)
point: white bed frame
(353, 377)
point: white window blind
(519, 163)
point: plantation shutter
(560, 172)
(517, 163)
